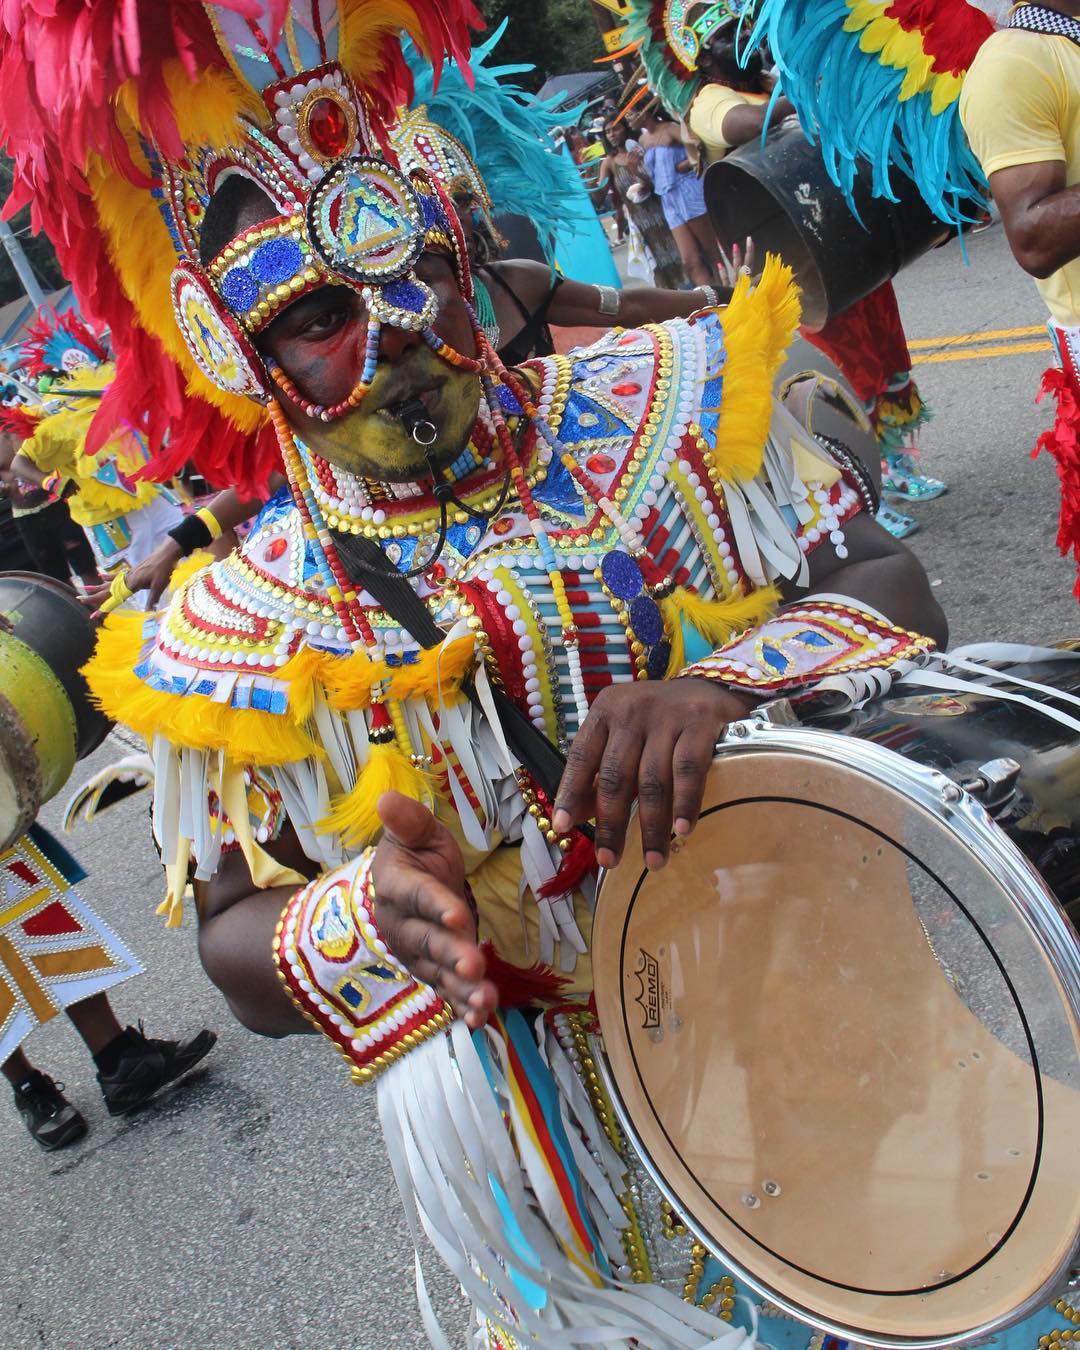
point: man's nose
(394, 343)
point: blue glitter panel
(404, 559)
(657, 664)
(279, 702)
(507, 401)
(585, 420)
(240, 289)
(775, 659)
(713, 393)
(622, 576)
(559, 491)
(811, 639)
(280, 504)
(645, 620)
(241, 696)
(465, 537)
(205, 687)
(403, 294)
(430, 210)
(260, 698)
(276, 261)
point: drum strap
(989, 681)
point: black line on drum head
(680, 1202)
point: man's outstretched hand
(420, 905)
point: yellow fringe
(354, 816)
(438, 671)
(187, 567)
(248, 736)
(364, 25)
(759, 324)
(718, 621)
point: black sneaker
(146, 1065)
(47, 1113)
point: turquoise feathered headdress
(507, 133)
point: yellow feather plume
(353, 816)
(758, 324)
(439, 670)
(718, 621)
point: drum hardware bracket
(993, 784)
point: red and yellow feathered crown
(124, 117)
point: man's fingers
(573, 801)
(616, 787)
(654, 789)
(691, 760)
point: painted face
(319, 343)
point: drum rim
(1033, 901)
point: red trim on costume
(1062, 441)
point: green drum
(47, 721)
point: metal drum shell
(781, 195)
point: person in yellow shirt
(1028, 144)
(733, 104)
(122, 515)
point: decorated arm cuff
(808, 642)
(341, 975)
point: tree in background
(557, 36)
(36, 246)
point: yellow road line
(921, 344)
(973, 353)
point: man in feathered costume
(359, 720)
(122, 514)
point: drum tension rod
(994, 783)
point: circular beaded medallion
(215, 341)
(366, 222)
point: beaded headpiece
(669, 36)
(125, 119)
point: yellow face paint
(374, 443)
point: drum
(842, 1027)
(47, 721)
(780, 193)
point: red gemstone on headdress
(328, 127)
(503, 525)
(625, 390)
(600, 464)
(275, 549)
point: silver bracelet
(610, 300)
(712, 297)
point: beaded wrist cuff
(339, 973)
(808, 642)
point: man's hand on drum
(153, 574)
(652, 743)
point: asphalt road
(251, 1205)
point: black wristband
(190, 534)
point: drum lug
(778, 712)
(993, 784)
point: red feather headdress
(110, 109)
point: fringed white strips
(166, 809)
(448, 1144)
(194, 802)
(361, 742)
(302, 785)
(600, 1166)
(336, 741)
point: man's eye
(325, 321)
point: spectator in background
(682, 197)
(654, 255)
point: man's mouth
(397, 409)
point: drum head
(841, 1027)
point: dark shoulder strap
(369, 566)
(490, 274)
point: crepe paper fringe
(1062, 442)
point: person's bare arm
(1040, 213)
(742, 123)
(576, 304)
(27, 470)
(236, 940)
